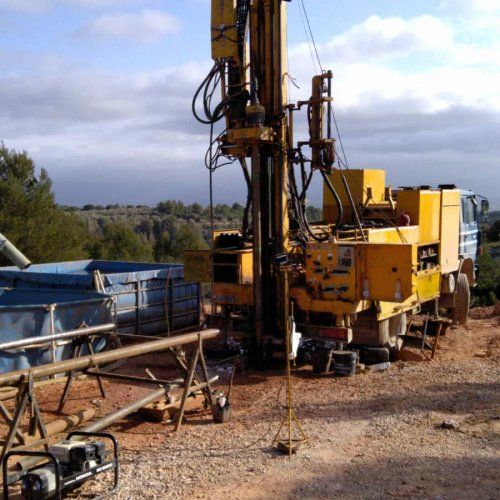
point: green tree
(119, 242)
(176, 239)
(487, 290)
(29, 215)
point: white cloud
(409, 97)
(472, 6)
(386, 37)
(145, 27)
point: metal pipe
(94, 360)
(27, 463)
(134, 406)
(62, 424)
(13, 254)
(90, 330)
(133, 378)
(256, 244)
(127, 410)
(52, 309)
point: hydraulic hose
(340, 214)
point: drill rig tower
(250, 62)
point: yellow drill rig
(377, 255)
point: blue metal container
(151, 299)
(26, 313)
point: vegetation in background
(46, 232)
(487, 291)
(29, 215)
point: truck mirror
(485, 207)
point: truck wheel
(390, 331)
(460, 312)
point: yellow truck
(376, 256)
(358, 286)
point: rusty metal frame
(25, 379)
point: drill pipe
(90, 330)
(132, 407)
(91, 361)
(106, 421)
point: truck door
(468, 227)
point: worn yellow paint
(306, 302)
(233, 294)
(224, 18)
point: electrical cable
(312, 36)
(307, 38)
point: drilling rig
(376, 256)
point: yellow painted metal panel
(197, 266)
(408, 234)
(331, 270)
(361, 182)
(449, 231)
(389, 271)
(246, 267)
(336, 307)
(223, 29)
(428, 285)
(423, 207)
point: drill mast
(250, 63)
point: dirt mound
(485, 312)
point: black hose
(340, 214)
(245, 231)
(209, 86)
(301, 211)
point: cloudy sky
(99, 91)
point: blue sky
(98, 91)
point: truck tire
(390, 331)
(368, 331)
(460, 312)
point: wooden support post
(76, 351)
(76, 347)
(436, 341)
